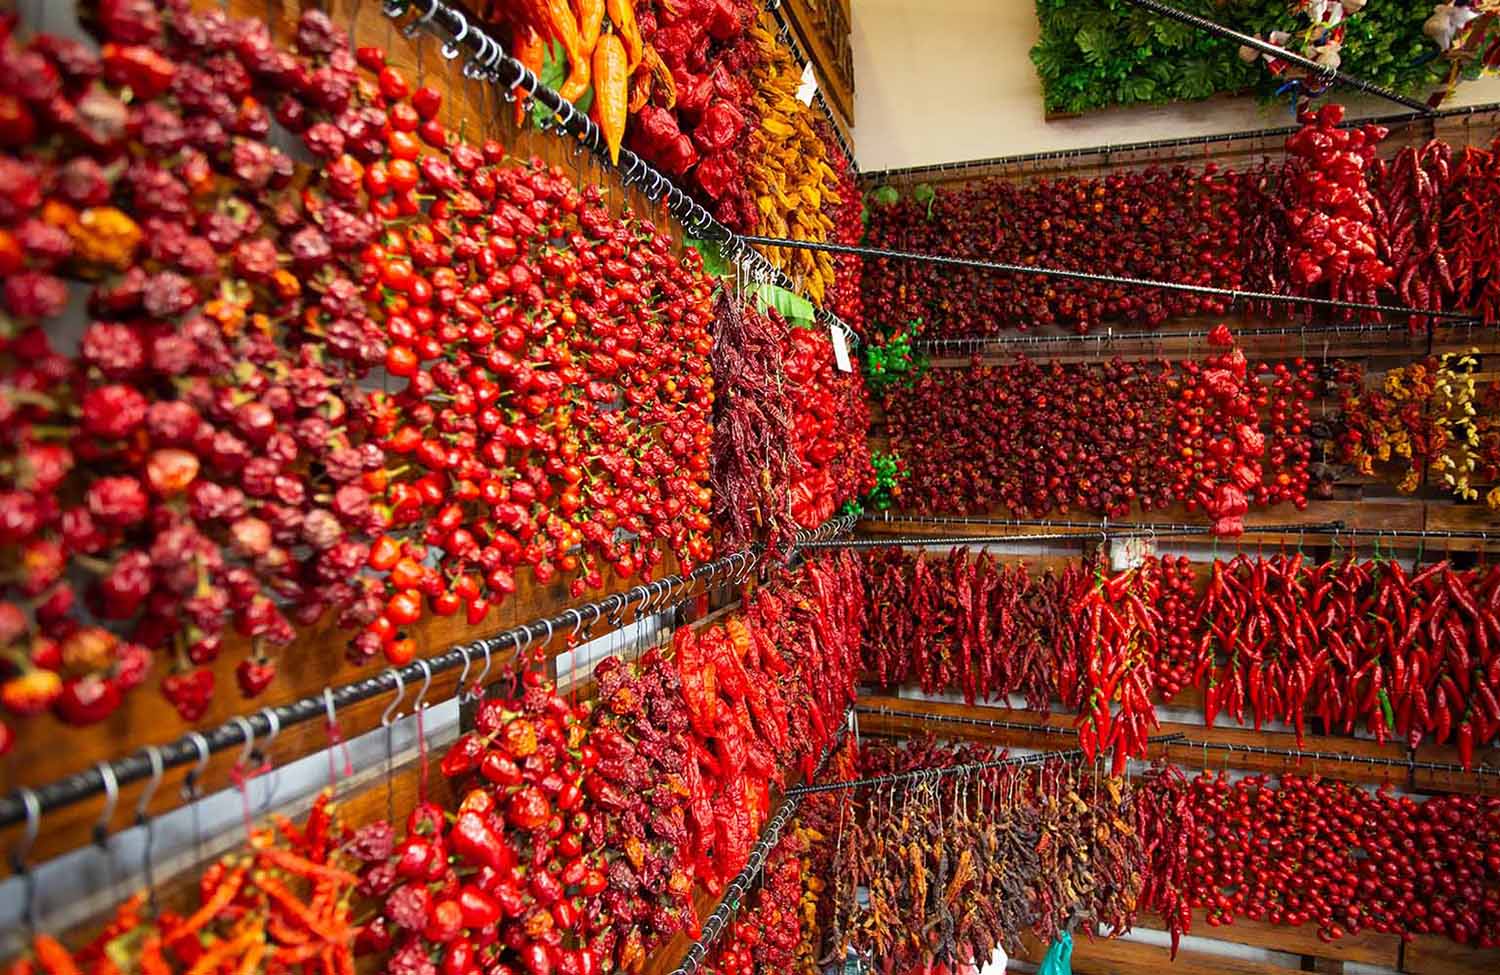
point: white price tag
(840, 349)
(808, 86)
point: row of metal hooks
(1135, 529)
(28, 804)
(934, 773)
(978, 344)
(876, 177)
(487, 60)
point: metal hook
(410, 30)
(388, 716)
(577, 624)
(450, 49)
(158, 768)
(22, 851)
(111, 797)
(464, 674)
(190, 783)
(273, 721)
(421, 701)
(328, 708)
(471, 69)
(478, 690)
(248, 730)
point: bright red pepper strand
(1331, 245)
(1354, 645)
(830, 427)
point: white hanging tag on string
(808, 87)
(840, 348)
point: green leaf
(885, 196)
(554, 73)
(1096, 43)
(715, 264)
(796, 309)
(924, 193)
(1196, 80)
(1171, 34)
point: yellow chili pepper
(105, 236)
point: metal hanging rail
(240, 730)
(487, 60)
(902, 541)
(789, 36)
(876, 176)
(937, 772)
(976, 344)
(1324, 73)
(1140, 529)
(1184, 741)
(1055, 272)
(1160, 528)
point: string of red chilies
(1361, 646)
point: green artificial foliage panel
(1096, 54)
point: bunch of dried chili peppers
(284, 903)
(1353, 644)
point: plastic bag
(1059, 957)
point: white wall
(949, 80)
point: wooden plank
(1430, 954)
(1113, 956)
(823, 30)
(1366, 947)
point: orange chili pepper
(622, 15)
(250, 964)
(151, 961)
(590, 23)
(219, 900)
(531, 50)
(53, 958)
(226, 948)
(611, 91)
(565, 28)
(303, 867)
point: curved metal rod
(111, 797)
(388, 716)
(190, 784)
(451, 49)
(421, 701)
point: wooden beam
(1113, 956)
(1430, 954)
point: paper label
(808, 86)
(840, 349)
